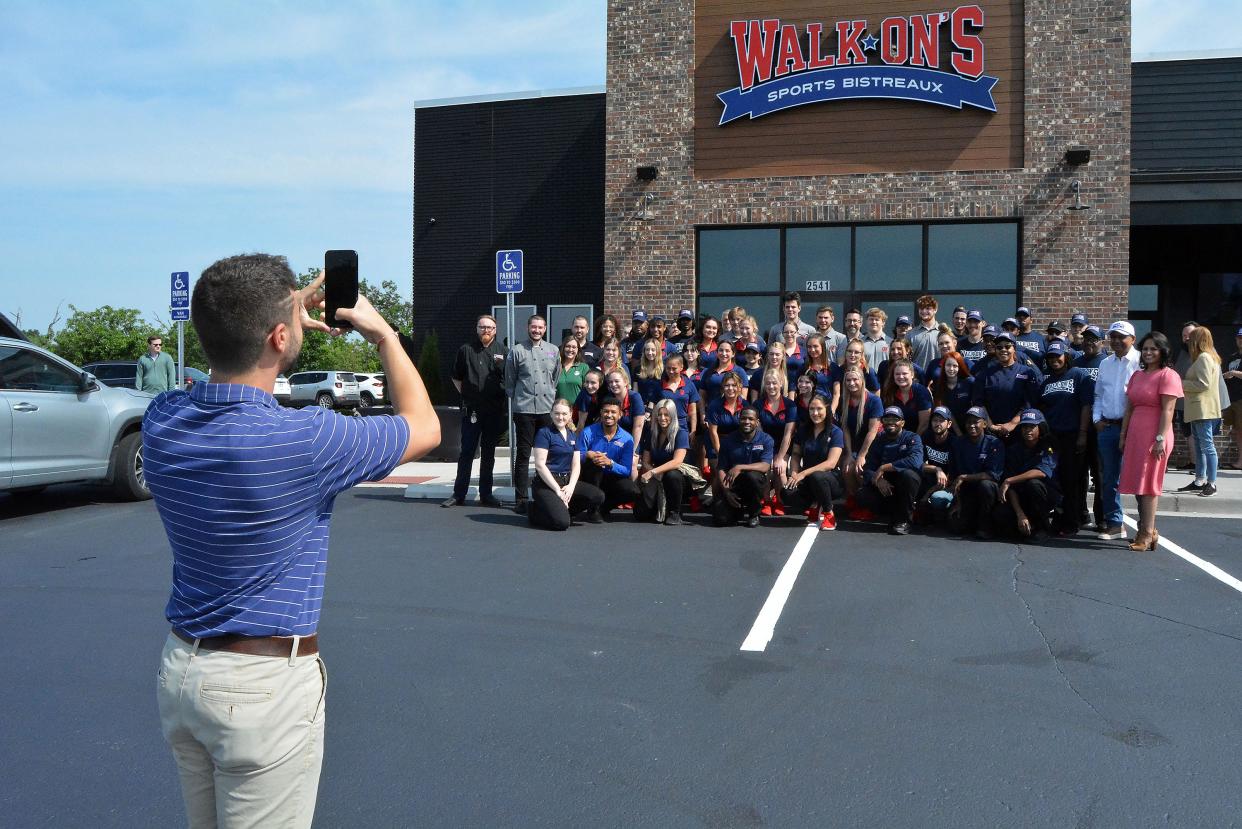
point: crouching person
(1029, 491)
(891, 477)
(608, 455)
(979, 464)
(740, 479)
(814, 470)
(661, 482)
(558, 494)
(935, 497)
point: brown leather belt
(254, 645)
(1108, 421)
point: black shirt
(1234, 386)
(480, 370)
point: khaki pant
(247, 734)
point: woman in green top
(570, 372)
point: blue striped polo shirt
(245, 489)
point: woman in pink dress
(1147, 433)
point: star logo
(870, 42)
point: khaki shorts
(1232, 416)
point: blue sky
(143, 138)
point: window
(888, 257)
(817, 259)
(966, 256)
(30, 371)
(738, 261)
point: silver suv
(371, 387)
(59, 424)
(326, 389)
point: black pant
(485, 432)
(750, 487)
(900, 504)
(673, 482)
(526, 426)
(1069, 472)
(1036, 498)
(617, 489)
(973, 505)
(819, 489)
(1090, 463)
(548, 510)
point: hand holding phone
(340, 284)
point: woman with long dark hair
(954, 387)
(913, 398)
(1147, 433)
(606, 328)
(818, 366)
(814, 475)
(724, 367)
(795, 353)
(571, 370)
(708, 340)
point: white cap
(1123, 327)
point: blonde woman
(1202, 413)
(664, 452)
(557, 494)
(650, 372)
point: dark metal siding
(525, 174)
(1187, 115)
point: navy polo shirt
(773, 420)
(631, 407)
(648, 389)
(870, 379)
(1006, 391)
(710, 387)
(560, 449)
(1019, 459)
(959, 398)
(682, 395)
(735, 450)
(940, 455)
(904, 452)
(245, 489)
(988, 455)
(723, 419)
(708, 358)
(872, 408)
(620, 449)
(588, 403)
(1061, 399)
(814, 448)
(882, 373)
(794, 362)
(823, 381)
(660, 454)
(920, 401)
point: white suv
(326, 389)
(371, 388)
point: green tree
(429, 367)
(194, 354)
(105, 333)
(350, 352)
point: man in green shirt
(156, 371)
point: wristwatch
(1159, 438)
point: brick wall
(1077, 91)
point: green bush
(429, 367)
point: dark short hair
(792, 296)
(534, 317)
(153, 338)
(610, 401)
(237, 301)
(853, 311)
(1161, 342)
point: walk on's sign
(780, 66)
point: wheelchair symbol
(508, 265)
(179, 285)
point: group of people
(988, 429)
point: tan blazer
(1202, 388)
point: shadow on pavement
(53, 499)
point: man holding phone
(245, 489)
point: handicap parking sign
(180, 284)
(508, 271)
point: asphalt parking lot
(486, 674)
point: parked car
(123, 374)
(59, 424)
(193, 375)
(326, 389)
(281, 390)
(371, 388)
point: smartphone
(340, 284)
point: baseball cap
(640, 315)
(1078, 319)
(657, 318)
(1031, 417)
(753, 347)
(894, 411)
(942, 411)
(990, 331)
(1023, 312)
(1121, 327)
(1239, 334)
(974, 314)
(1056, 326)
(686, 314)
(1056, 347)
(1010, 321)
(1006, 336)
(1094, 331)
(903, 320)
(977, 412)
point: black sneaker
(520, 506)
(753, 521)
(899, 529)
(593, 517)
(489, 501)
(1208, 490)
(1193, 486)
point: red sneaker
(828, 522)
(812, 516)
(766, 510)
(861, 514)
(777, 507)
(696, 504)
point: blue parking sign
(508, 272)
(180, 284)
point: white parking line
(765, 623)
(1181, 552)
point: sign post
(179, 304)
(509, 278)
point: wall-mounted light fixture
(647, 173)
(1077, 155)
(1076, 188)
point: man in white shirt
(791, 304)
(1107, 412)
